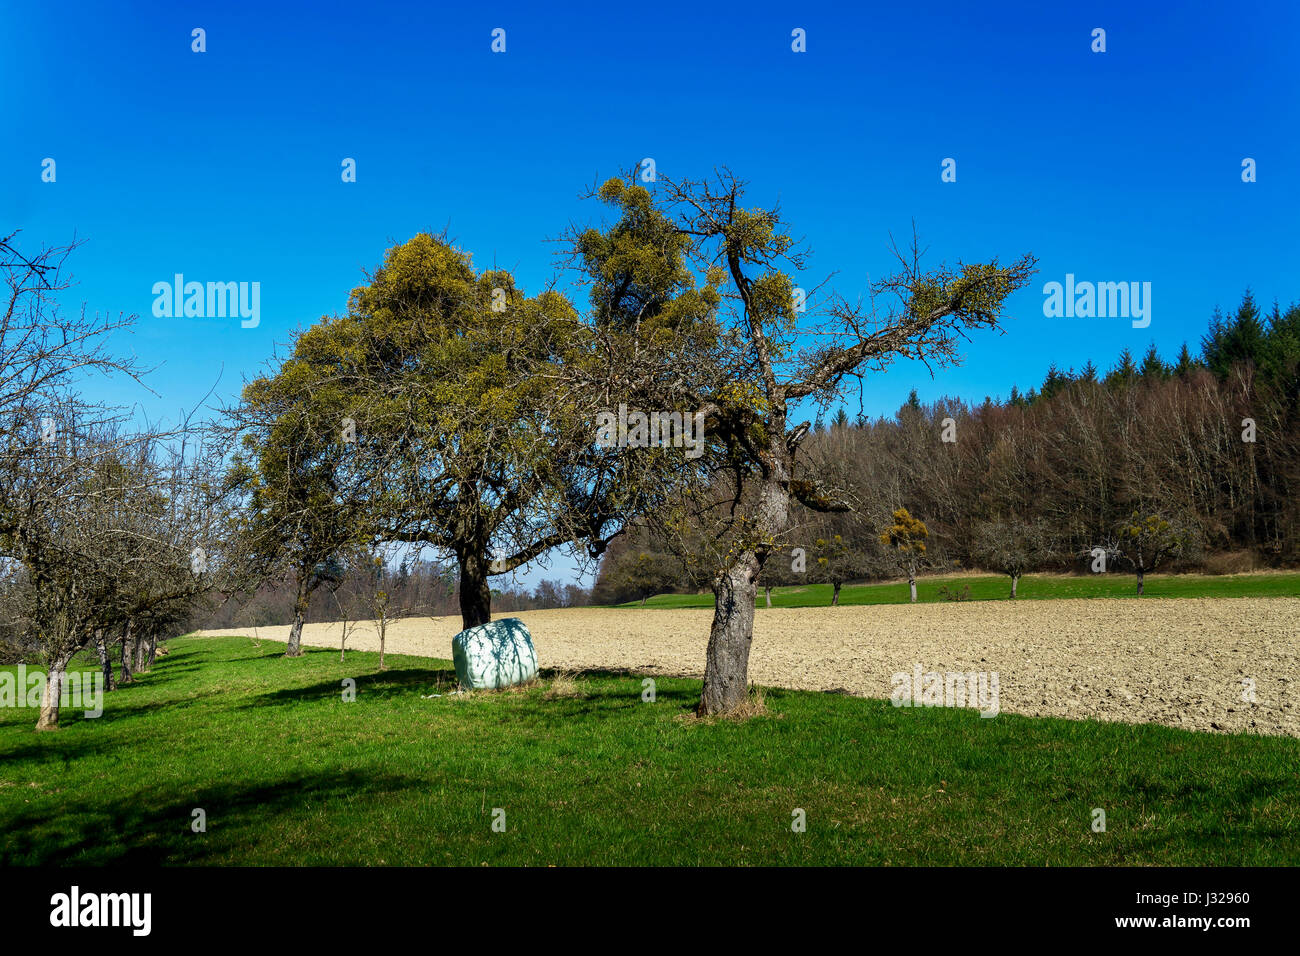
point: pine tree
(1153, 367)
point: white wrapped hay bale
(496, 654)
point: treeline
(418, 588)
(1207, 443)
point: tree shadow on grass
(402, 682)
(144, 829)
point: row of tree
(103, 526)
(352, 583)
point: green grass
(997, 587)
(290, 774)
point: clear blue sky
(225, 165)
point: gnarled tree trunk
(128, 651)
(835, 598)
(735, 591)
(475, 594)
(726, 669)
(141, 654)
(54, 680)
(105, 662)
(1015, 579)
(300, 605)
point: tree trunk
(1015, 579)
(383, 633)
(644, 599)
(835, 598)
(299, 616)
(726, 669)
(735, 592)
(153, 650)
(54, 679)
(769, 595)
(1141, 577)
(911, 581)
(141, 655)
(475, 594)
(105, 662)
(128, 652)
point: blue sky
(225, 165)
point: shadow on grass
(401, 682)
(146, 829)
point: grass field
(997, 587)
(288, 773)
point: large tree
(468, 433)
(771, 359)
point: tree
(636, 567)
(1013, 546)
(1239, 339)
(649, 573)
(302, 512)
(105, 534)
(1124, 373)
(98, 526)
(783, 569)
(1153, 368)
(466, 440)
(756, 374)
(906, 539)
(842, 549)
(1145, 543)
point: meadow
(583, 770)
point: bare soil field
(1180, 662)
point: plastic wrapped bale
(496, 654)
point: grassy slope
(993, 587)
(289, 774)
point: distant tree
(781, 571)
(906, 539)
(1185, 364)
(1239, 339)
(1145, 543)
(1055, 382)
(842, 550)
(649, 573)
(1013, 546)
(301, 511)
(1153, 368)
(1124, 373)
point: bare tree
(1013, 546)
